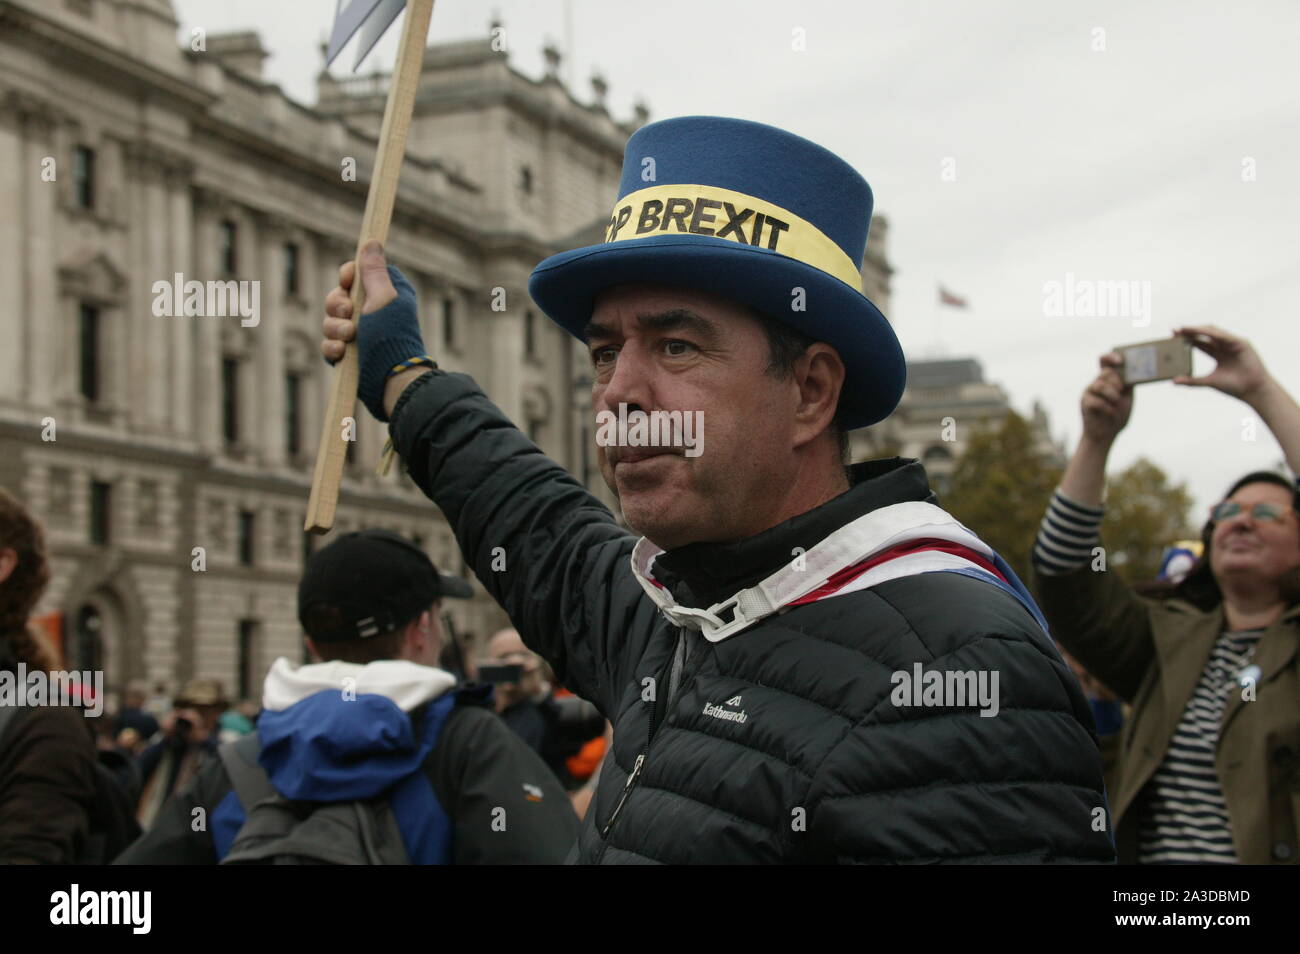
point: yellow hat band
(734, 216)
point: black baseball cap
(368, 583)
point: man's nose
(630, 382)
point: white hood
(406, 683)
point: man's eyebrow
(674, 318)
(594, 329)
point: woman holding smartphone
(1210, 755)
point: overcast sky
(1124, 163)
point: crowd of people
(730, 652)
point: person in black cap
(376, 718)
(803, 661)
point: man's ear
(311, 648)
(819, 374)
(8, 562)
(419, 632)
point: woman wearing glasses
(1210, 755)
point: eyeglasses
(1263, 512)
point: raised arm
(1106, 406)
(550, 553)
(1091, 611)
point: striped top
(1067, 536)
(1184, 819)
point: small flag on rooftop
(948, 298)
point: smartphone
(1156, 360)
(495, 674)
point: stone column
(268, 340)
(142, 379)
(152, 412)
(16, 179)
(42, 312)
(183, 333)
(205, 390)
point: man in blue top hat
(803, 661)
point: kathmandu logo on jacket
(726, 715)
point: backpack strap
(249, 779)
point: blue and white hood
(338, 731)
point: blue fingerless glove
(386, 338)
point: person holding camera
(554, 726)
(1210, 756)
(186, 742)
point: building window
(83, 177)
(100, 515)
(308, 546)
(526, 179)
(535, 432)
(249, 681)
(530, 334)
(88, 640)
(246, 528)
(146, 504)
(230, 399)
(448, 322)
(89, 335)
(293, 414)
(228, 247)
(290, 269)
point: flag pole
(331, 453)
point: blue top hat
(752, 213)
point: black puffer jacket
(823, 767)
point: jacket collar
(702, 574)
(745, 581)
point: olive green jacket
(1151, 654)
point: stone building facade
(169, 455)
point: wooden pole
(331, 453)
